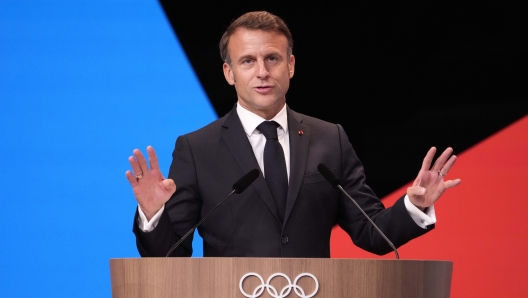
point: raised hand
(429, 185)
(150, 188)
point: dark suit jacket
(207, 162)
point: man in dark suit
(289, 211)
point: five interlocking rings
(273, 292)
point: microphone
(238, 187)
(336, 183)
(245, 181)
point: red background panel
(482, 224)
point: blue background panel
(82, 83)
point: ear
(228, 74)
(291, 66)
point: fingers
(448, 165)
(136, 169)
(131, 178)
(140, 167)
(153, 158)
(440, 161)
(141, 161)
(426, 164)
(442, 164)
(419, 178)
(452, 183)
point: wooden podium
(226, 278)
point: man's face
(260, 70)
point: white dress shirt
(250, 121)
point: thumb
(415, 191)
(169, 185)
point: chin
(269, 101)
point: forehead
(245, 40)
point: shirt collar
(250, 121)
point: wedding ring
(440, 174)
(141, 176)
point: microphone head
(329, 175)
(245, 181)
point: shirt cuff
(145, 225)
(422, 219)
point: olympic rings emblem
(273, 292)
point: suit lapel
(298, 157)
(236, 140)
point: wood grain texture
(220, 277)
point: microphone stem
(199, 223)
(370, 220)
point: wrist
(150, 212)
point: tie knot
(269, 129)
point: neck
(267, 114)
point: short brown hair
(255, 20)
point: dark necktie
(275, 166)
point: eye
(273, 58)
(247, 61)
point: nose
(263, 72)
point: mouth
(263, 89)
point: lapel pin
(301, 132)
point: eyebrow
(249, 56)
(273, 53)
(246, 57)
